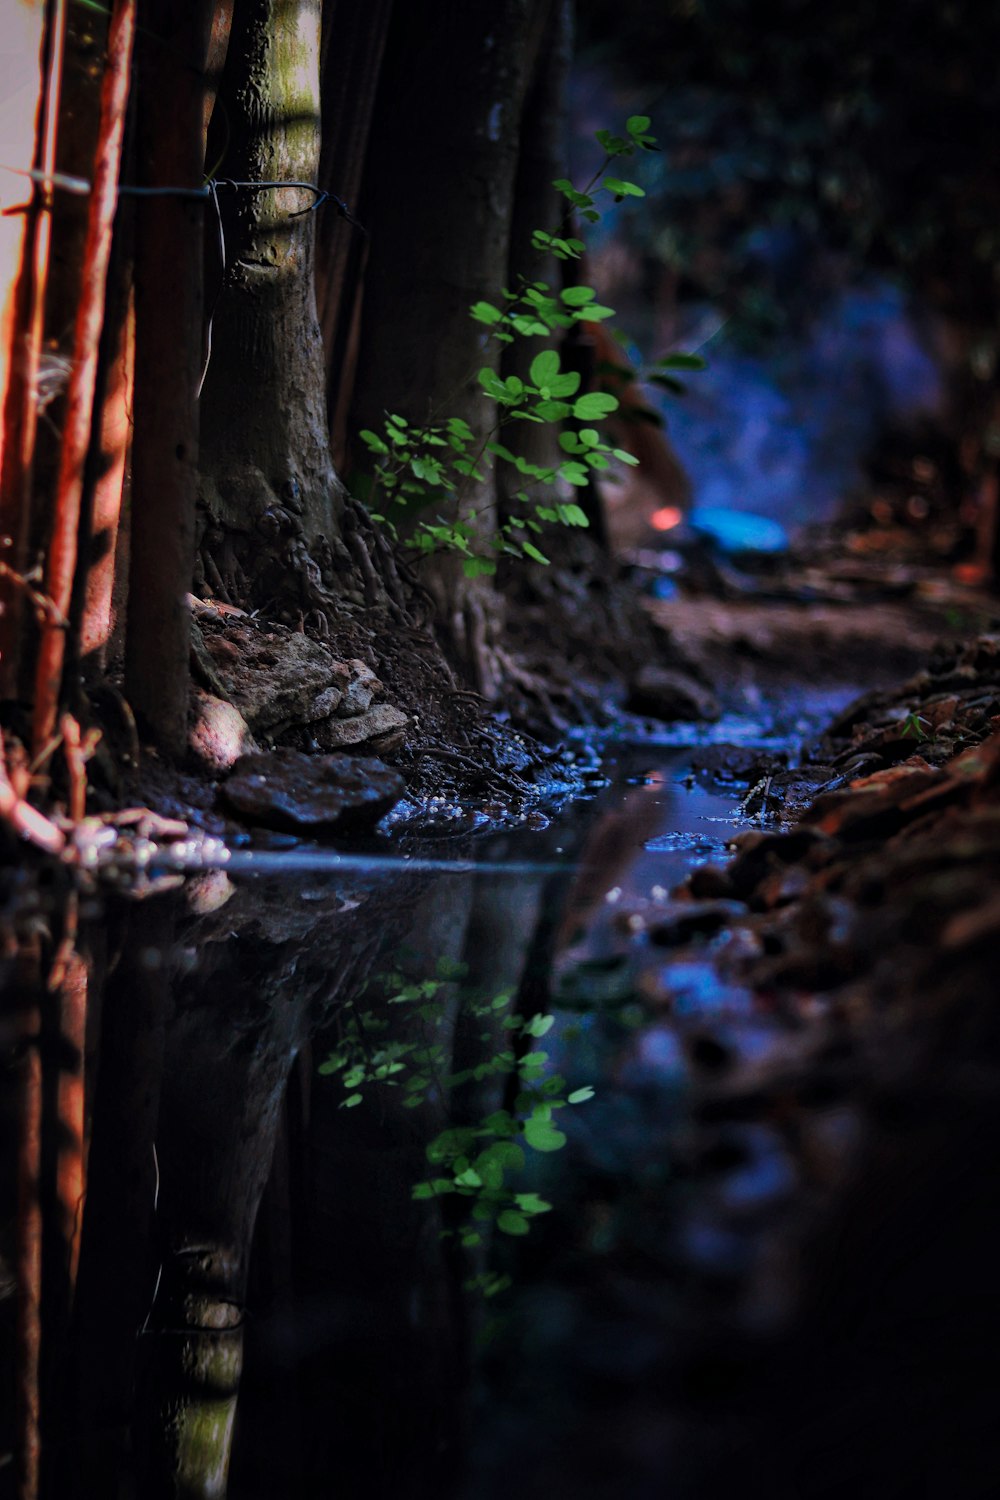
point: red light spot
(666, 518)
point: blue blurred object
(734, 531)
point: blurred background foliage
(823, 219)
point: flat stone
(287, 789)
(685, 920)
(275, 676)
(668, 696)
(726, 763)
(383, 723)
(218, 734)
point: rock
(362, 688)
(383, 727)
(685, 920)
(286, 789)
(208, 891)
(275, 676)
(725, 763)
(218, 734)
(663, 694)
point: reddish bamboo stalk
(116, 433)
(20, 415)
(61, 565)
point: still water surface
(251, 1205)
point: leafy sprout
(431, 469)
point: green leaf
(572, 515)
(578, 1096)
(576, 296)
(373, 441)
(530, 1203)
(681, 361)
(542, 1135)
(573, 472)
(552, 411)
(512, 1222)
(469, 1178)
(433, 1189)
(566, 384)
(539, 1025)
(637, 124)
(479, 567)
(623, 189)
(491, 383)
(467, 467)
(614, 145)
(507, 1153)
(530, 550)
(594, 312)
(351, 1101)
(529, 326)
(578, 199)
(485, 312)
(594, 405)
(544, 367)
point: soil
(857, 928)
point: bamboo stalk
(62, 557)
(20, 415)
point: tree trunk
(437, 207)
(270, 495)
(537, 205)
(168, 316)
(353, 47)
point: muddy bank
(807, 1308)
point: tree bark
(537, 205)
(271, 499)
(168, 315)
(437, 206)
(353, 47)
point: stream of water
(277, 1047)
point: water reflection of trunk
(117, 1269)
(260, 968)
(369, 1324)
(360, 1334)
(362, 1324)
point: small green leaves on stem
(432, 468)
(473, 1161)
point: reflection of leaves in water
(603, 983)
(472, 1161)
